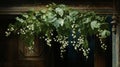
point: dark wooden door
(9, 53)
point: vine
(66, 22)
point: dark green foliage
(63, 20)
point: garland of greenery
(65, 21)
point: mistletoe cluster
(66, 22)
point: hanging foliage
(65, 21)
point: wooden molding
(100, 8)
(19, 10)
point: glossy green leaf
(73, 13)
(59, 11)
(95, 24)
(105, 33)
(19, 19)
(58, 22)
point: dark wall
(24, 2)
